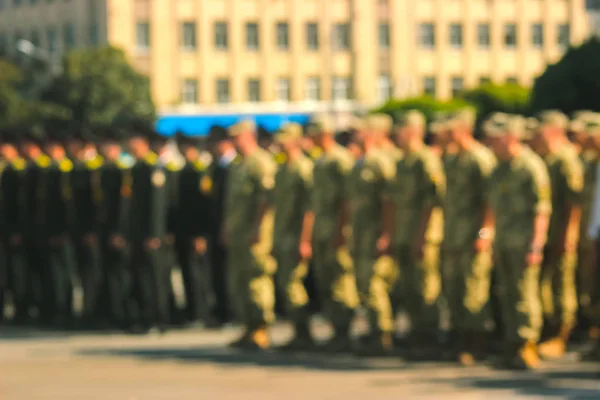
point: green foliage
(10, 77)
(490, 98)
(427, 105)
(571, 84)
(101, 90)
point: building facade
(207, 53)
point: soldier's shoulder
(342, 156)
(19, 164)
(484, 157)
(305, 167)
(429, 158)
(534, 163)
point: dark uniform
(148, 221)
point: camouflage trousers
(418, 287)
(289, 280)
(587, 278)
(519, 288)
(336, 284)
(250, 272)
(559, 296)
(374, 279)
(466, 286)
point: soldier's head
(504, 133)
(219, 142)
(158, 142)
(75, 143)
(552, 129)
(31, 144)
(438, 130)
(378, 127)
(460, 125)
(8, 145)
(592, 133)
(187, 146)
(244, 136)
(288, 137)
(110, 145)
(410, 128)
(55, 145)
(139, 143)
(322, 131)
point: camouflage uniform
(250, 265)
(467, 273)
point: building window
(485, 80)
(537, 35)
(283, 37)
(189, 92)
(512, 80)
(341, 37)
(340, 89)
(564, 35)
(427, 36)
(384, 88)
(312, 36)
(35, 38)
(483, 36)
(282, 90)
(383, 36)
(94, 35)
(69, 35)
(252, 41)
(457, 86)
(313, 89)
(221, 36)
(456, 36)
(222, 91)
(188, 34)
(429, 86)
(52, 39)
(510, 35)
(142, 35)
(253, 90)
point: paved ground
(194, 364)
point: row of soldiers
(392, 223)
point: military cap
(321, 123)
(578, 126)
(507, 125)
(217, 133)
(592, 126)
(57, 136)
(379, 122)
(411, 118)
(36, 137)
(532, 125)
(438, 122)
(553, 118)
(288, 132)
(262, 133)
(183, 139)
(583, 115)
(245, 125)
(465, 116)
(111, 135)
(344, 138)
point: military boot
(301, 341)
(555, 348)
(242, 341)
(474, 350)
(379, 344)
(424, 346)
(339, 343)
(527, 357)
(259, 339)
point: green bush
(427, 105)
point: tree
(573, 83)
(427, 105)
(102, 90)
(489, 98)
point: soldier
(224, 154)
(191, 227)
(559, 298)
(519, 197)
(86, 196)
(336, 282)
(113, 214)
(419, 187)
(55, 209)
(248, 234)
(11, 191)
(147, 231)
(292, 232)
(467, 255)
(371, 220)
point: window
(313, 89)
(221, 36)
(252, 42)
(384, 88)
(52, 39)
(537, 35)
(253, 90)
(142, 34)
(222, 91)
(456, 37)
(282, 90)
(427, 36)
(283, 39)
(188, 33)
(510, 35)
(564, 36)
(485, 80)
(383, 36)
(429, 86)
(69, 35)
(483, 36)
(457, 86)
(94, 35)
(189, 92)
(512, 80)
(312, 36)
(340, 90)
(35, 38)
(341, 37)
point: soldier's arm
(388, 170)
(543, 206)
(309, 215)
(435, 191)
(266, 184)
(345, 165)
(487, 164)
(573, 171)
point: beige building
(308, 53)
